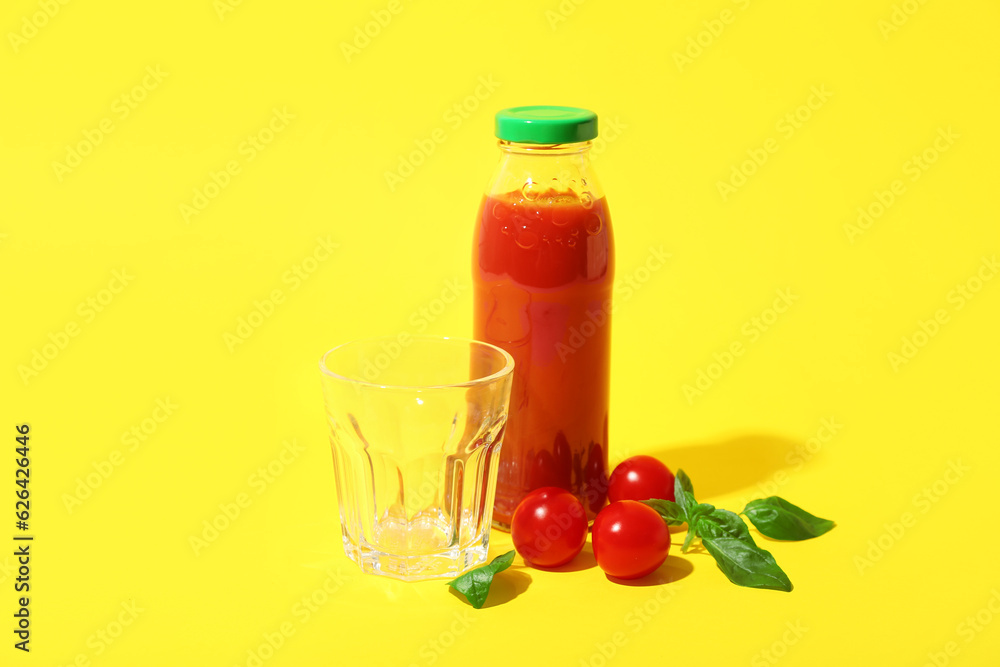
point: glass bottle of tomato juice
(543, 265)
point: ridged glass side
(415, 468)
(430, 508)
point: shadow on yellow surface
(583, 561)
(724, 466)
(673, 569)
(693, 548)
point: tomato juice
(542, 276)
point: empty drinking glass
(416, 425)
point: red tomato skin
(549, 527)
(630, 539)
(641, 478)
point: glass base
(448, 563)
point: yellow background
(683, 127)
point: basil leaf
(723, 523)
(683, 483)
(687, 503)
(746, 564)
(698, 511)
(693, 510)
(684, 494)
(781, 520)
(668, 510)
(475, 584)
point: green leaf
(695, 517)
(475, 584)
(692, 509)
(699, 510)
(746, 564)
(670, 511)
(684, 494)
(682, 481)
(780, 520)
(723, 523)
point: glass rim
(507, 369)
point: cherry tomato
(549, 527)
(630, 539)
(641, 478)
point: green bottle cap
(546, 125)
